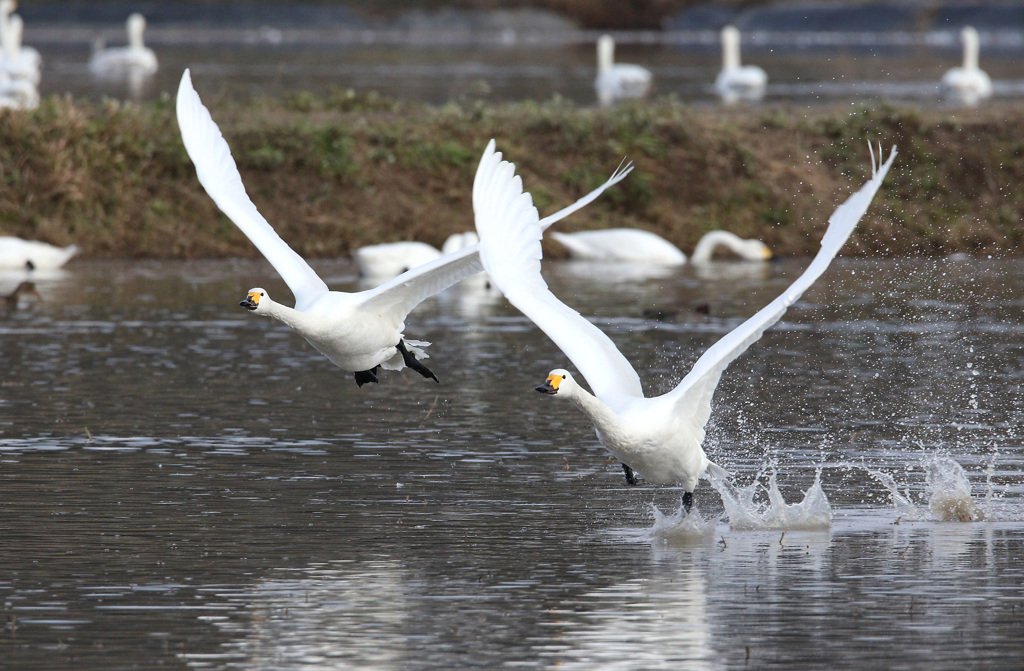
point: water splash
(682, 527)
(947, 493)
(745, 513)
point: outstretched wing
(510, 232)
(694, 392)
(219, 176)
(617, 176)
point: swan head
(558, 382)
(755, 250)
(256, 301)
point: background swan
(632, 245)
(359, 332)
(121, 62)
(969, 84)
(16, 253)
(18, 62)
(738, 82)
(390, 259)
(658, 437)
(618, 81)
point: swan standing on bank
(618, 81)
(660, 437)
(124, 62)
(738, 82)
(18, 254)
(632, 245)
(968, 84)
(359, 332)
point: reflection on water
(186, 484)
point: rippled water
(182, 483)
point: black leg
(414, 363)
(688, 500)
(630, 478)
(364, 376)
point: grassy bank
(333, 173)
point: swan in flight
(124, 62)
(658, 437)
(968, 84)
(18, 254)
(738, 82)
(618, 81)
(359, 332)
(632, 245)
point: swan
(969, 83)
(658, 437)
(738, 82)
(359, 332)
(391, 259)
(748, 250)
(18, 254)
(18, 93)
(631, 245)
(618, 81)
(122, 62)
(18, 62)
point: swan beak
(550, 385)
(251, 302)
(767, 253)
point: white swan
(358, 332)
(631, 245)
(658, 437)
(18, 62)
(18, 254)
(748, 250)
(618, 81)
(738, 82)
(969, 84)
(391, 259)
(18, 94)
(123, 62)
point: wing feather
(219, 176)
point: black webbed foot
(364, 376)
(688, 500)
(412, 362)
(630, 476)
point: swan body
(660, 437)
(19, 254)
(738, 82)
(356, 331)
(621, 244)
(618, 81)
(631, 245)
(391, 259)
(457, 241)
(18, 94)
(18, 62)
(969, 84)
(748, 250)
(121, 62)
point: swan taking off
(18, 254)
(738, 82)
(632, 245)
(659, 437)
(968, 84)
(359, 332)
(123, 62)
(618, 81)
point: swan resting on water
(120, 62)
(18, 254)
(658, 437)
(738, 82)
(618, 81)
(359, 332)
(633, 245)
(969, 84)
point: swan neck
(971, 48)
(595, 409)
(135, 30)
(289, 316)
(705, 249)
(730, 49)
(605, 53)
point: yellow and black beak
(251, 302)
(550, 385)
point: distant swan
(391, 259)
(969, 84)
(122, 62)
(16, 253)
(18, 62)
(618, 81)
(658, 437)
(633, 245)
(738, 82)
(360, 332)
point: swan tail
(717, 472)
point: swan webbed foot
(364, 376)
(687, 501)
(412, 362)
(630, 476)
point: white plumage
(618, 81)
(738, 82)
(17, 254)
(968, 84)
(632, 245)
(135, 59)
